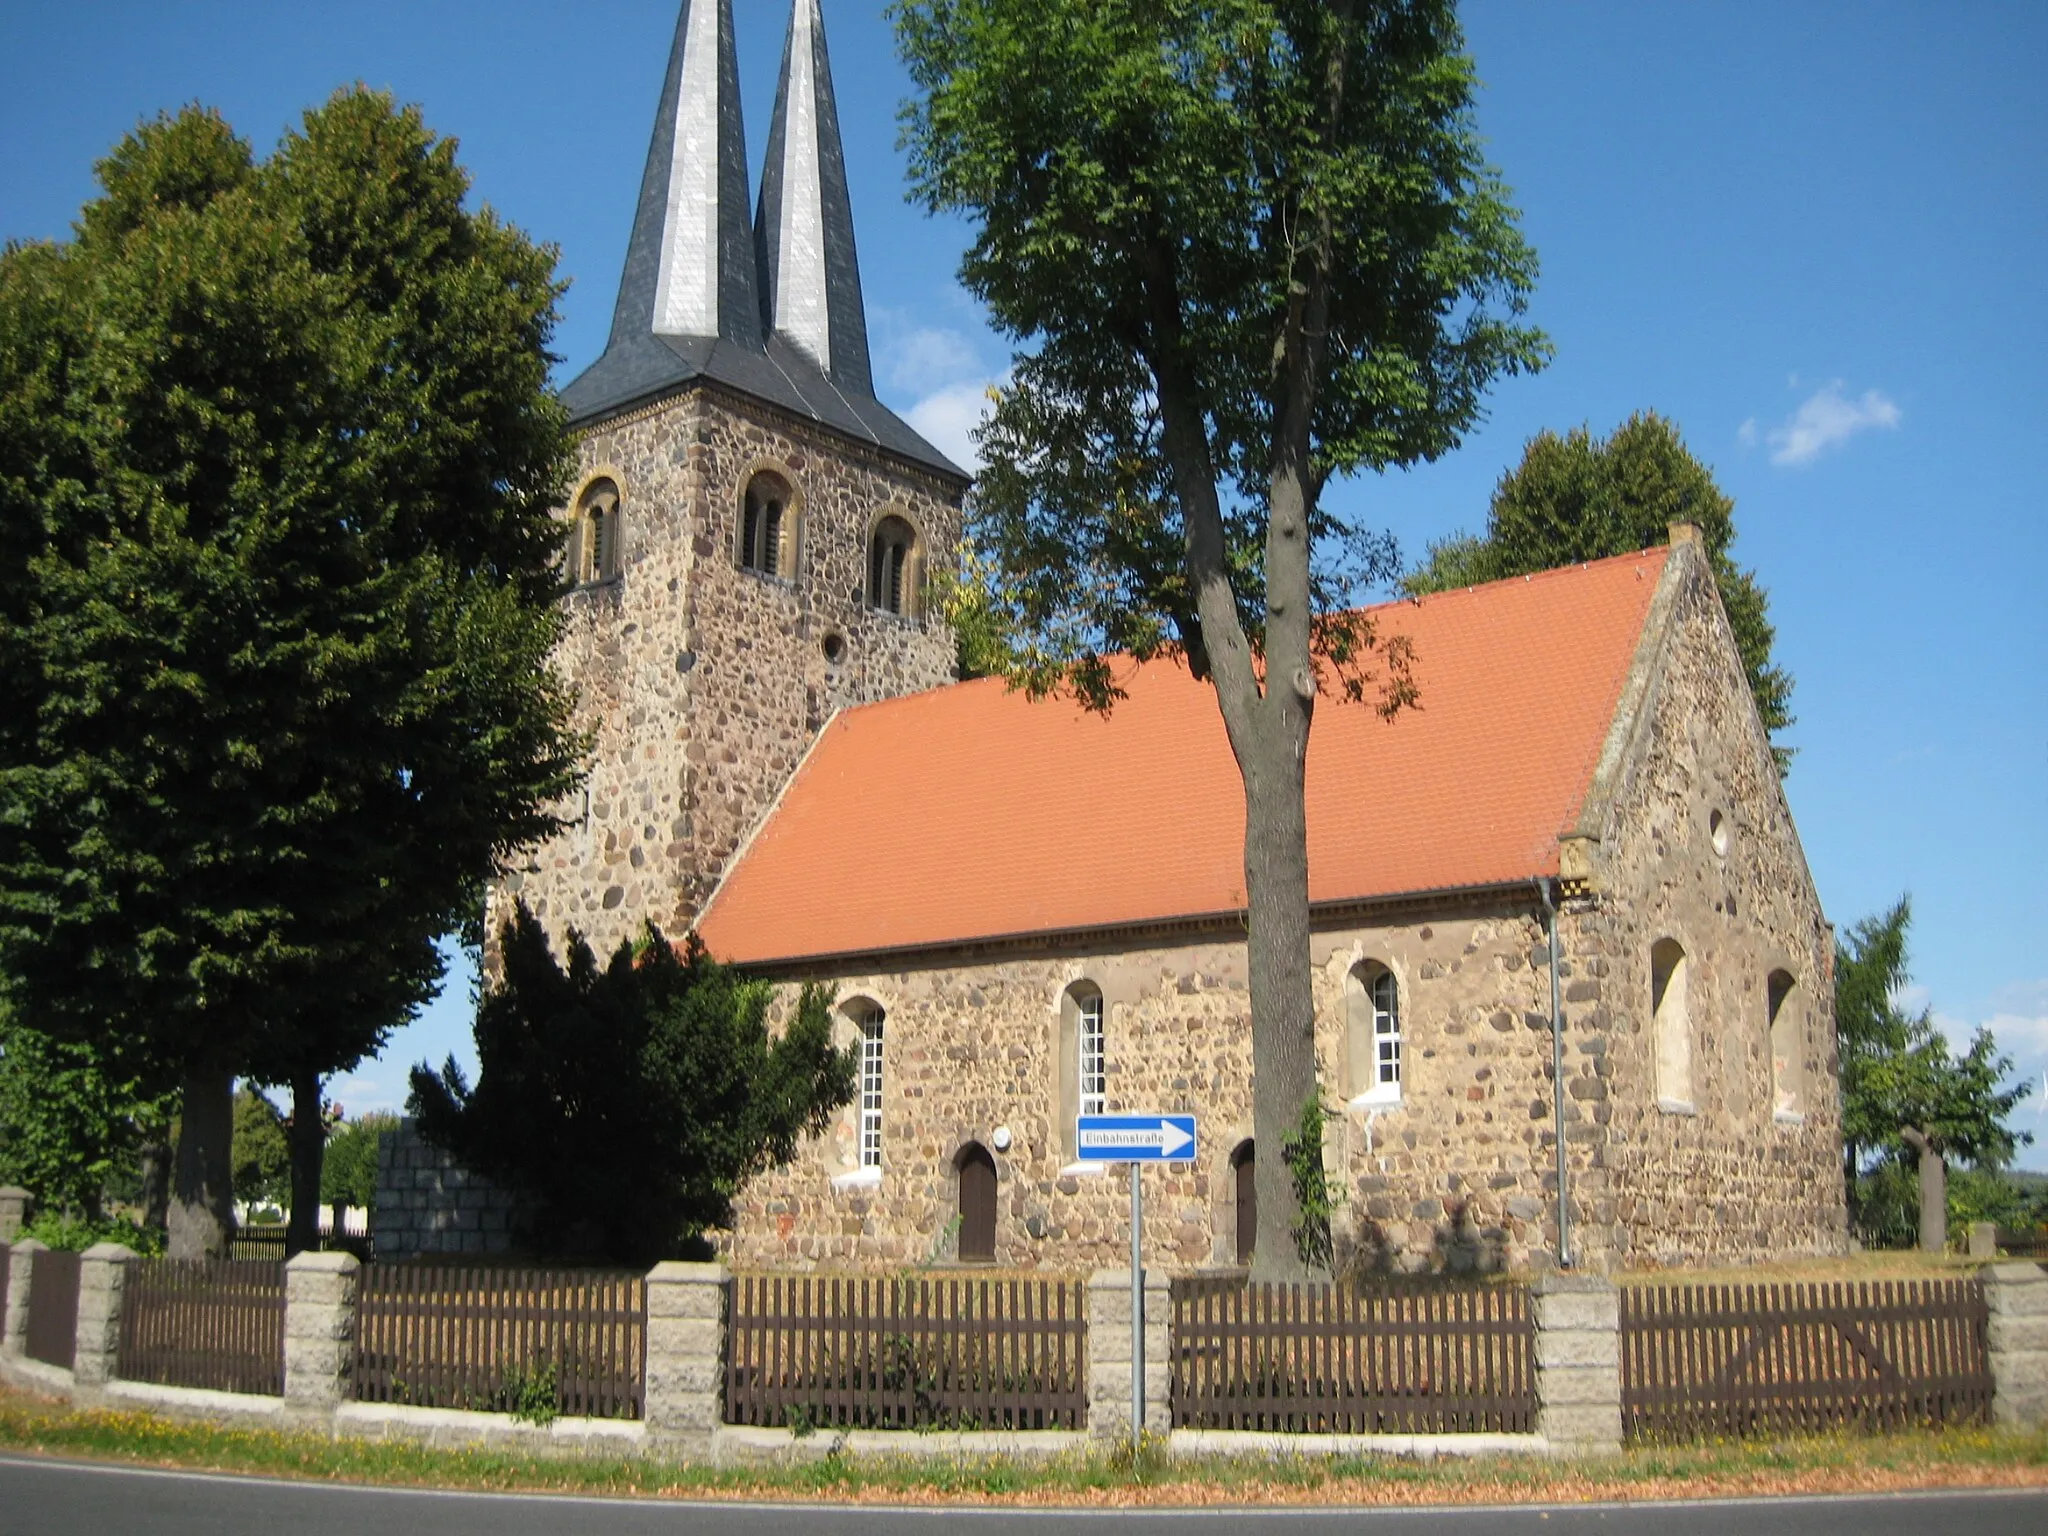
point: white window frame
(1382, 991)
(1091, 1042)
(871, 1089)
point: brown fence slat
(1332, 1358)
(955, 1352)
(1728, 1361)
(212, 1323)
(558, 1341)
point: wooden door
(977, 1204)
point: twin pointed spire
(803, 229)
(695, 269)
(770, 308)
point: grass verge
(1830, 1464)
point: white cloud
(1828, 419)
(2018, 1023)
(947, 417)
(1746, 434)
(928, 358)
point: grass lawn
(1835, 1464)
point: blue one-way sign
(1135, 1138)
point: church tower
(750, 525)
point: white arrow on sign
(1135, 1138)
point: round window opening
(1717, 830)
(834, 647)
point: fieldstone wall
(704, 682)
(426, 1203)
(1697, 846)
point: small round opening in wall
(834, 646)
(1717, 830)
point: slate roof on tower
(971, 814)
(690, 301)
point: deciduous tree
(276, 596)
(1242, 247)
(1906, 1097)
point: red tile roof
(971, 812)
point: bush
(626, 1105)
(75, 1234)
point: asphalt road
(55, 1498)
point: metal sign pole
(1137, 1315)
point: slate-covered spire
(803, 229)
(689, 266)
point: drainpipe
(1544, 891)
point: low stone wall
(428, 1203)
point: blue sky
(1812, 234)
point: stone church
(1569, 960)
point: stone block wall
(1109, 1354)
(427, 1203)
(1578, 1363)
(705, 682)
(2017, 1298)
(320, 1292)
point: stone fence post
(1578, 1363)
(688, 1306)
(103, 1271)
(319, 1331)
(1109, 1354)
(21, 1280)
(2017, 1296)
(13, 1211)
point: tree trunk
(202, 1208)
(1282, 992)
(309, 1145)
(156, 1158)
(1933, 1191)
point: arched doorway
(1243, 1170)
(977, 1172)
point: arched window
(977, 1172)
(1671, 1026)
(867, 1018)
(1372, 1032)
(1244, 1174)
(1084, 1057)
(768, 525)
(1788, 1047)
(595, 541)
(893, 567)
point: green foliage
(1155, 189)
(628, 1104)
(348, 1173)
(531, 1396)
(276, 568)
(1576, 498)
(1315, 1203)
(71, 1118)
(262, 1156)
(1898, 1072)
(75, 1234)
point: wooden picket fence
(529, 1341)
(1341, 1359)
(1714, 1361)
(53, 1309)
(213, 1323)
(951, 1352)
